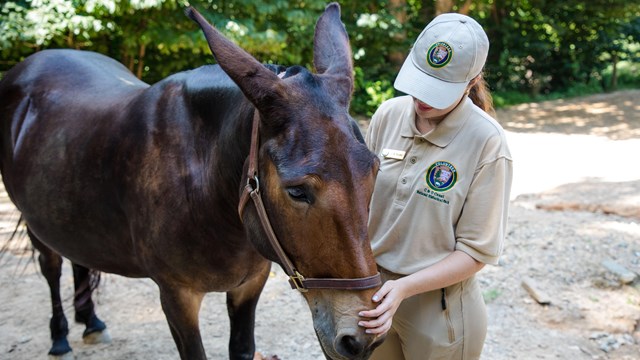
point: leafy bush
(369, 94)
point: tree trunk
(465, 7)
(70, 39)
(443, 6)
(496, 13)
(426, 11)
(614, 72)
(398, 8)
(141, 53)
(128, 60)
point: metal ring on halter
(255, 188)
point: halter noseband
(297, 281)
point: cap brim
(426, 88)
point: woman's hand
(453, 269)
(388, 298)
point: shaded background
(539, 49)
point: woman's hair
(481, 96)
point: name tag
(393, 154)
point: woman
(439, 208)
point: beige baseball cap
(447, 55)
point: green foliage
(539, 49)
(375, 34)
(542, 47)
(369, 93)
(30, 26)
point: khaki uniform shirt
(439, 192)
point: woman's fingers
(379, 325)
(380, 330)
(373, 314)
(378, 321)
(383, 291)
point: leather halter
(297, 281)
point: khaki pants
(422, 330)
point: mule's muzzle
(349, 346)
(355, 346)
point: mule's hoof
(97, 337)
(60, 350)
(93, 325)
(65, 356)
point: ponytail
(481, 96)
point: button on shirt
(438, 192)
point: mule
(200, 181)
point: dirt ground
(575, 205)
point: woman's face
(424, 111)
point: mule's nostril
(350, 346)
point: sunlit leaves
(536, 45)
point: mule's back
(80, 72)
(56, 90)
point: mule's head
(316, 176)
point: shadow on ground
(592, 115)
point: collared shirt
(438, 192)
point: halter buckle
(297, 281)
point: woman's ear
(474, 81)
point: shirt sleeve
(481, 228)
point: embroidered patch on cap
(441, 176)
(439, 54)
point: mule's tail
(18, 235)
(17, 242)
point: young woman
(439, 208)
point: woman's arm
(454, 268)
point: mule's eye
(298, 193)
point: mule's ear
(259, 84)
(332, 54)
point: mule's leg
(181, 306)
(51, 268)
(241, 305)
(95, 330)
